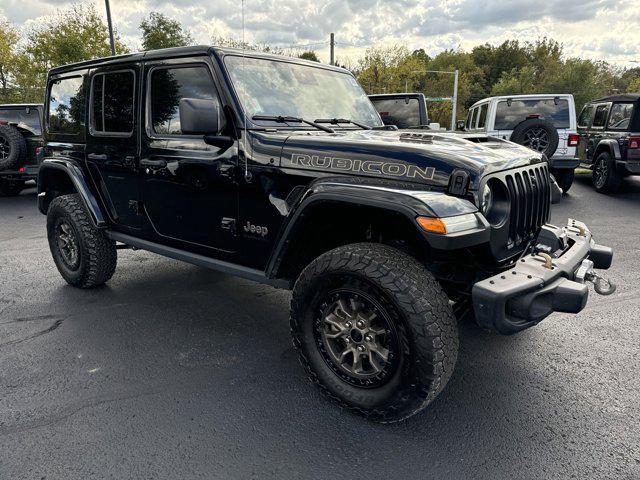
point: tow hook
(601, 285)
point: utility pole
(332, 44)
(454, 101)
(111, 41)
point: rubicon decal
(373, 167)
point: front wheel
(374, 330)
(605, 177)
(84, 255)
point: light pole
(111, 41)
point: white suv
(533, 120)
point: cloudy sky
(599, 29)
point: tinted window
(585, 116)
(168, 86)
(620, 116)
(482, 119)
(600, 116)
(66, 106)
(26, 118)
(112, 102)
(511, 113)
(403, 113)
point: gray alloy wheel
(536, 139)
(605, 178)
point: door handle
(153, 163)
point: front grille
(530, 197)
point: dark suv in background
(20, 146)
(609, 130)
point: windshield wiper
(288, 119)
(336, 121)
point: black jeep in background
(609, 130)
(281, 171)
(20, 146)
(403, 110)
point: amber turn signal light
(432, 225)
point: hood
(408, 155)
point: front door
(190, 194)
(112, 141)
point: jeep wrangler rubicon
(20, 146)
(609, 145)
(280, 170)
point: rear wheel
(537, 134)
(605, 177)
(564, 178)
(85, 257)
(374, 330)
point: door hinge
(229, 224)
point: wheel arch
(358, 213)
(607, 145)
(58, 176)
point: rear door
(584, 125)
(112, 141)
(596, 131)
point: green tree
(160, 31)
(8, 58)
(310, 55)
(73, 35)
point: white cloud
(597, 29)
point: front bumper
(564, 162)
(535, 287)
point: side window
(169, 86)
(473, 116)
(600, 116)
(620, 116)
(66, 106)
(482, 120)
(112, 103)
(585, 116)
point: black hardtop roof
(20, 105)
(619, 97)
(183, 52)
(396, 95)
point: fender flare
(78, 179)
(409, 203)
(611, 145)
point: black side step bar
(199, 260)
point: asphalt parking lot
(173, 371)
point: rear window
(510, 113)
(585, 116)
(66, 106)
(27, 118)
(112, 103)
(600, 116)
(402, 112)
(620, 116)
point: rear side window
(510, 113)
(402, 112)
(600, 116)
(482, 119)
(473, 117)
(112, 103)
(27, 118)
(66, 106)
(168, 87)
(585, 116)
(620, 116)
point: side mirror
(460, 125)
(199, 117)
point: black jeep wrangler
(20, 146)
(609, 145)
(280, 170)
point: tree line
(513, 67)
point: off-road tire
(611, 180)
(17, 147)
(426, 327)
(97, 253)
(521, 131)
(564, 178)
(11, 188)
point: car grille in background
(530, 197)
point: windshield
(270, 87)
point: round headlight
(486, 199)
